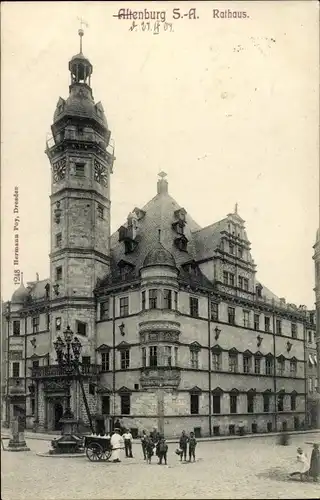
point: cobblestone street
(247, 468)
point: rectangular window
(176, 301)
(104, 310)
(231, 315)
(144, 357)
(125, 404)
(125, 359)
(48, 321)
(194, 358)
(194, 404)
(86, 360)
(257, 365)
(100, 210)
(58, 324)
(233, 363)
(281, 365)
(246, 319)
(167, 298)
(80, 170)
(194, 307)
(278, 326)
(231, 248)
(231, 279)
(16, 327)
(214, 311)
(309, 337)
(105, 361)
(176, 356)
(167, 356)
(233, 403)
(246, 364)
(105, 405)
(293, 402)
(216, 403)
(16, 369)
(124, 306)
(81, 328)
(266, 403)
(240, 253)
(310, 384)
(256, 321)
(240, 281)
(293, 367)
(225, 278)
(33, 406)
(59, 240)
(35, 324)
(280, 402)
(294, 330)
(269, 366)
(59, 273)
(246, 284)
(250, 403)
(216, 361)
(153, 296)
(267, 324)
(153, 356)
(35, 364)
(143, 301)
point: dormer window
(79, 169)
(181, 243)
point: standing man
(127, 436)
(144, 444)
(183, 443)
(117, 445)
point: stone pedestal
(70, 441)
(17, 442)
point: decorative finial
(21, 274)
(80, 31)
(162, 174)
(236, 208)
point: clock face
(100, 173)
(59, 170)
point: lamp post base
(70, 440)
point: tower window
(194, 307)
(58, 324)
(153, 352)
(124, 306)
(58, 273)
(167, 296)
(143, 300)
(153, 295)
(16, 327)
(16, 369)
(81, 328)
(79, 169)
(58, 240)
(100, 212)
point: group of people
(155, 443)
(306, 470)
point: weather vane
(80, 31)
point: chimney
(162, 185)
(37, 276)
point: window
(92, 389)
(240, 282)
(153, 356)
(256, 321)
(80, 169)
(231, 279)
(293, 401)
(58, 324)
(293, 367)
(240, 253)
(281, 366)
(231, 315)
(246, 284)
(266, 403)
(144, 357)
(125, 404)
(225, 278)
(100, 212)
(267, 324)
(48, 321)
(35, 364)
(310, 384)
(16, 327)
(81, 328)
(16, 369)
(86, 360)
(269, 366)
(194, 404)
(104, 310)
(246, 364)
(124, 306)
(257, 365)
(233, 403)
(216, 403)
(176, 301)
(194, 307)
(33, 406)
(194, 358)
(310, 337)
(280, 402)
(246, 319)
(143, 301)
(59, 273)
(278, 326)
(35, 324)
(153, 296)
(167, 356)
(233, 362)
(124, 359)
(167, 298)
(294, 330)
(105, 405)
(231, 248)
(58, 240)
(216, 361)
(176, 356)
(250, 403)
(214, 311)
(105, 361)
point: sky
(228, 108)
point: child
(303, 465)
(162, 449)
(183, 445)
(149, 449)
(314, 471)
(192, 447)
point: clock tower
(81, 159)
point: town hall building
(176, 330)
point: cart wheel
(94, 452)
(107, 454)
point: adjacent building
(177, 331)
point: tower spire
(81, 31)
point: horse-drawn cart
(97, 448)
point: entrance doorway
(58, 412)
